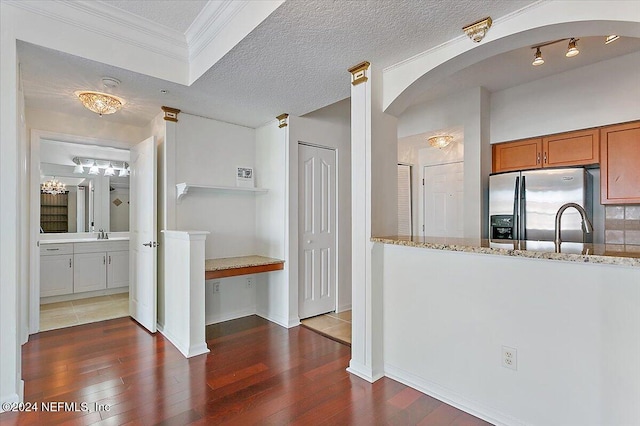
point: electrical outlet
(249, 282)
(510, 357)
(216, 287)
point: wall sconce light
(478, 30)
(572, 49)
(440, 141)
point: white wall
(461, 110)
(100, 128)
(272, 221)
(606, 92)
(207, 152)
(575, 326)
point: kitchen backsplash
(622, 226)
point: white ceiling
(295, 61)
(174, 14)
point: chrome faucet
(587, 227)
(102, 235)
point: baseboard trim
(281, 321)
(12, 398)
(363, 372)
(344, 308)
(216, 318)
(187, 351)
(450, 397)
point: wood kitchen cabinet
(579, 148)
(518, 155)
(566, 149)
(56, 270)
(620, 164)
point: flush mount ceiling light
(572, 49)
(440, 141)
(53, 186)
(100, 103)
(537, 58)
(478, 30)
(611, 38)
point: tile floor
(83, 311)
(332, 325)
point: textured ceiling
(295, 61)
(174, 14)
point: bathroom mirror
(91, 201)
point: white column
(184, 319)
(373, 206)
(10, 363)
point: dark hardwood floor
(257, 373)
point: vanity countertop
(82, 240)
(571, 252)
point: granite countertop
(82, 240)
(238, 262)
(571, 252)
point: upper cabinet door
(519, 155)
(571, 149)
(620, 164)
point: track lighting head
(537, 59)
(572, 49)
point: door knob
(150, 244)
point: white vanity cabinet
(118, 269)
(81, 267)
(100, 265)
(56, 269)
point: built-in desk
(241, 265)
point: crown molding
(211, 20)
(111, 22)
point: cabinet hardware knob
(69, 262)
(538, 159)
(104, 260)
(109, 259)
(545, 158)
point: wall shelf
(184, 188)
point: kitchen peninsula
(451, 306)
(570, 252)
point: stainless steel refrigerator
(523, 205)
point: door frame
(335, 256)
(33, 297)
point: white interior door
(317, 230)
(443, 200)
(143, 234)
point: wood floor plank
(256, 373)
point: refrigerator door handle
(523, 210)
(516, 210)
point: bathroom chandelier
(440, 141)
(53, 186)
(94, 165)
(100, 103)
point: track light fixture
(537, 59)
(572, 49)
(611, 38)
